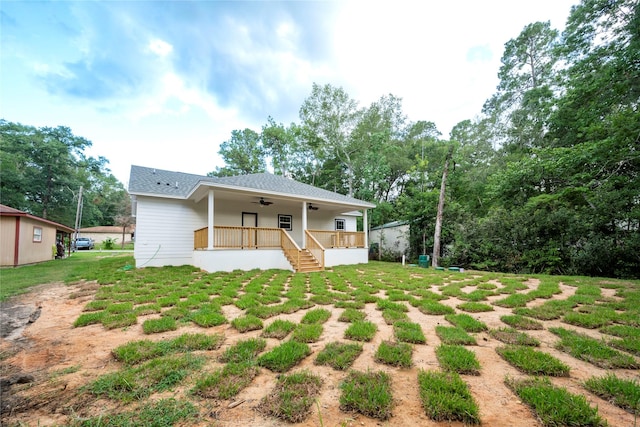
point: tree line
(545, 179)
(43, 169)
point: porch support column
(365, 226)
(304, 225)
(210, 221)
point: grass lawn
(80, 265)
(267, 347)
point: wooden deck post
(210, 221)
(304, 225)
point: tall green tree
(329, 116)
(43, 168)
(243, 154)
(526, 90)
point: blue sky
(163, 83)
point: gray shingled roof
(162, 183)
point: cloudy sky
(163, 83)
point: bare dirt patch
(45, 362)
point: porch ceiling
(279, 200)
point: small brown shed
(26, 238)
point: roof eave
(200, 184)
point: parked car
(84, 243)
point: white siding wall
(392, 239)
(164, 231)
(327, 222)
(345, 256)
(229, 260)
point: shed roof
(107, 229)
(9, 211)
(162, 183)
(390, 225)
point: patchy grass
(394, 354)
(622, 331)
(361, 331)
(466, 322)
(155, 375)
(549, 310)
(593, 351)
(513, 300)
(458, 359)
(278, 329)
(368, 393)
(622, 393)
(226, 382)
(533, 362)
(521, 322)
(307, 332)
(474, 307)
(165, 412)
(119, 320)
(207, 317)
(138, 351)
(446, 397)
(409, 332)
(86, 319)
(246, 323)
(338, 355)
(555, 406)
(155, 326)
(243, 351)
(454, 335)
(351, 315)
(513, 336)
(392, 316)
(630, 345)
(592, 320)
(429, 306)
(292, 397)
(318, 316)
(285, 356)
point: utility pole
(78, 215)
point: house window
(37, 234)
(285, 221)
(340, 225)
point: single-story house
(28, 239)
(243, 222)
(390, 240)
(102, 232)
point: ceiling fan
(263, 202)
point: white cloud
(160, 47)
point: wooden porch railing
(229, 237)
(238, 237)
(315, 247)
(339, 239)
(291, 250)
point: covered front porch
(294, 244)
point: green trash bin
(423, 261)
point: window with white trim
(37, 234)
(285, 221)
(340, 225)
